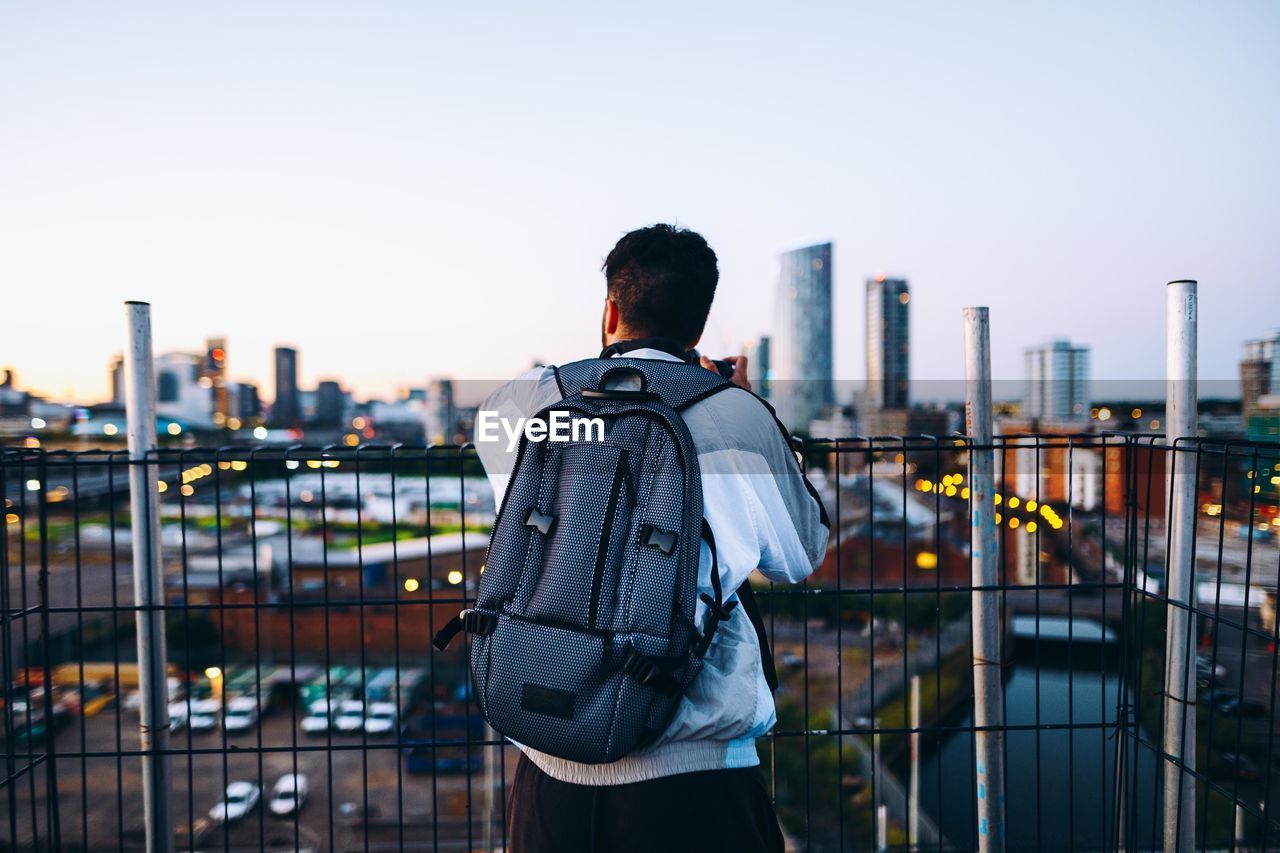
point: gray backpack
(583, 634)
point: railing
(302, 586)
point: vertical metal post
(1179, 738)
(492, 755)
(148, 577)
(988, 709)
(913, 796)
(877, 785)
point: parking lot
(360, 795)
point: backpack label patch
(547, 700)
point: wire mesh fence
(308, 710)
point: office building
(286, 410)
(331, 404)
(438, 415)
(800, 351)
(888, 343)
(1056, 381)
(117, 380)
(1260, 388)
(758, 365)
(181, 396)
(248, 406)
(213, 375)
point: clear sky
(414, 189)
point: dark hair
(663, 279)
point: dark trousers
(704, 812)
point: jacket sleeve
(754, 490)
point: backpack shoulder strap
(749, 606)
(676, 383)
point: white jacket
(763, 516)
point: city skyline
(399, 207)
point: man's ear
(611, 317)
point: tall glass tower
(888, 343)
(286, 410)
(800, 350)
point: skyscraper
(758, 365)
(247, 406)
(1056, 381)
(286, 410)
(213, 375)
(800, 350)
(1260, 388)
(438, 414)
(330, 403)
(117, 380)
(888, 343)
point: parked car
(319, 717)
(1241, 766)
(1237, 707)
(381, 719)
(241, 798)
(288, 795)
(176, 689)
(241, 714)
(179, 713)
(1208, 674)
(350, 716)
(204, 715)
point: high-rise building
(330, 404)
(888, 343)
(180, 393)
(1260, 388)
(213, 375)
(247, 407)
(758, 365)
(286, 410)
(800, 350)
(438, 415)
(1056, 381)
(117, 380)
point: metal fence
(301, 588)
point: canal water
(1061, 785)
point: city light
(39, 423)
(110, 429)
(1104, 414)
(175, 429)
(411, 584)
(260, 433)
(33, 485)
(455, 577)
(162, 487)
(926, 560)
